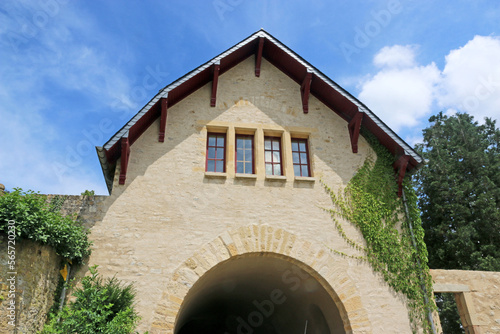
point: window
(216, 149)
(244, 154)
(300, 156)
(272, 150)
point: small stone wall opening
(255, 294)
(448, 313)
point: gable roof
(286, 60)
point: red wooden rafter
(258, 58)
(354, 127)
(163, 119)
(215, 80)
(124, 159)
(400, 168)
(305, 90)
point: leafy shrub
(88, 193)
(37, 220)
(101, 306)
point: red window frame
(272, 150)
(299, 154)
(216, 147)
(244, 161)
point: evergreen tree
(459, 197)
(459, 193)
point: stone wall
(88, 209)
(478, 297)
(37, 269)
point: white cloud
(471, 79)
(404, 93)
(401, 93)
(396, 56)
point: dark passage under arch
(255, 294)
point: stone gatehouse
(215, 206)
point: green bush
(37, 220)
(101, 306)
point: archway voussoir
(219, 249)
(186, 276)
(209, 257)
(276, 240)
(269, 238)
(288, 242)
(256, 237)
(174, 299)
(263, 238)
(248, 239)
(238, 242)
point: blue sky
(73, 72)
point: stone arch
(264, 240)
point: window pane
(269, 169)
(268, 156)
(276, 144)
(211, 152)
(248, 168)
(295, 145)
(220, 153)
(239, 155)
(248, 143)
(277, 169)
(211, 140)
(305, 170)
(210, 166)
(276, 156)
(296, 170)
(248, 155)
(295, 158)
(240, 143)
(303, 158)
(219, 167)
(220, 141)
(239, 167)
(267, 144)
(302, 146)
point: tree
(459, 198)
(459, 193)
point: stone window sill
(246, 176)
(281, 178)
(304, 179)
(216, 175)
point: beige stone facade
(478, 297)
(172, 223)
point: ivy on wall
(370, 202)
(40, 221)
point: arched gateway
(259, 292)
(256, 280)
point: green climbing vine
(370, 202)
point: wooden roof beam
(400, 167)
(124, 159)
(354, 127)
(215, 80)
(305, 90)
(258, 57)
(163, 119)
